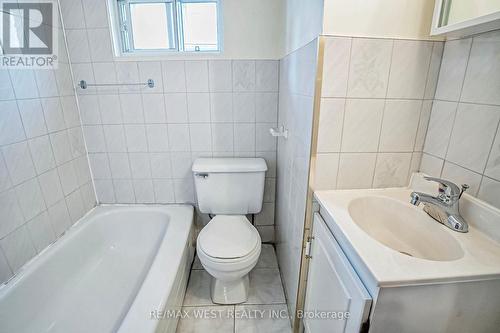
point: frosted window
(168, 25)
(151, 25)
(199, 22)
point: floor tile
(262, 318)
(267, 257)
(265, 287)
(208, 319)
(197, 263)
(198, 290)
(265, 282)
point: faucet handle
(465, 187)
(446, 187)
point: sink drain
(405, 253)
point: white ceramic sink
(404, 228)
(421, 275)
(396, 243)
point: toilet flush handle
(201, 175)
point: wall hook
(279, 131)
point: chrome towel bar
(83, 84)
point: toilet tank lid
(229, 165)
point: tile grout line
(75, 91)
(483, 175)
(234, 319)
(408, 173)
(344, 114)
(383, 115)
(38, 174)
(456, 108)
(35, 178)
(458, 165)
(229, 305)
(428, 70)
(434, 47)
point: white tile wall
(453, 67)
(463, 140)
(399, 126)
(45, 183)
(140, 139)
(391, 169)
(297, 79)
(409, 69)
(362, 124)
(440, 127)
(369, 67)
(330, 124)
(326, 171)
(475, 128)
(139, 135)
(375, 107)
(356, 170)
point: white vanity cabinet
(389, 291)
(333, 287)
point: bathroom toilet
(229, 245)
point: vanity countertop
(480, 246)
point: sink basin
(404, 228)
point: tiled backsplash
(376, 101)
(138, 139)
(463, 140)
(45, 183)
(297, 79)
(142, 141)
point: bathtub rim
(161, 277)
(159, 280)
(31, 264)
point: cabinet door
(333, 286)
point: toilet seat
(228, 238)
(229, 247)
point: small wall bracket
(280, 131)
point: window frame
(123, 36)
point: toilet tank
(231, 186)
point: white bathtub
(106, 274)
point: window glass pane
(199, 23)
(151, 25)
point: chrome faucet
(443, 207)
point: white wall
(303, 23)
(253, 29)
(409, 19)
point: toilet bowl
(229, 247)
